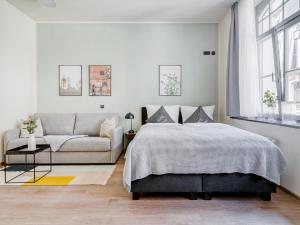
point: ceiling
(126, 10)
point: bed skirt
(205, 184)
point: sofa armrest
(10, 135)
(117, 143)
(117, 137)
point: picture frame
(170, 80)
(70, 80)
(99, 80)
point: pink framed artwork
(99, 80)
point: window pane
(290, 8)
(290, 109)
(260, 29)
(275, 4)
(293, 47)
(265, 25)
(266, 57)
(280, 39)
(268, 84)
(264, 13)
(276, 17)
(293, 86)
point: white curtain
(248, 60)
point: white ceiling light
(48, 3)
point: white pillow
(187, 111)
(107, 127)
(38, 132)
(172, 110)
(209, 109)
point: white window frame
(280, 76)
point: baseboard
(290, 192)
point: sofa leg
(207, 196)
(265, 196)
(193, 195)
(135, 195)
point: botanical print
(100, 80)
(70, 80)
(170, 80)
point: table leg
(33, 167)
(26, 163)
(50, 159)
(5, 169)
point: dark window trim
(277, 123)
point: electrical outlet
(101, 106)
(213, 53)
(206, 53)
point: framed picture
(70, 79)
(100, 80)
(170, 80)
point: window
(266, 67)
(290, 7)
(270, 13)
(278, 37)
(293, 47)
(291, 73)
(264, 21)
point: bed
(199, 173)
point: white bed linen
(209, 148)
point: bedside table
(129, 137)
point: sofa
(91, 149)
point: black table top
(23, 150)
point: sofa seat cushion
(23, 141)
(86, 144)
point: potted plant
(30, 126)
(269, 100)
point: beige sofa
(85, 150)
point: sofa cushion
(22, 141)
(57, 124)
(86, 144)
(89, 123)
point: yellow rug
(61, 175)
(50, 181)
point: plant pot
(31, 142)
(271, 113)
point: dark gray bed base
(204, 184)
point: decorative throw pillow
(107, 127)
(161, 116)
(169, 112)
(38, 132)
(197, 114)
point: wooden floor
(111, 204)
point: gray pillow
(160, 116)
(199, 116)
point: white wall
(288, 138)
(134, 51)
(17, 67)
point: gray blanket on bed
(209, 148)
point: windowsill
(292, 124)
